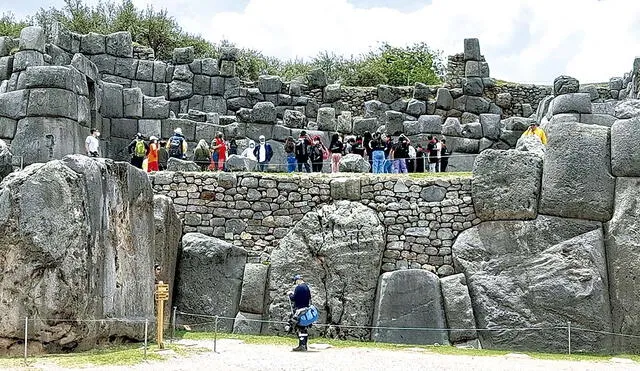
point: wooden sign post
(162, 294)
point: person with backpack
(302, 152)
(163, 155)
(317, 154)
(399, 154)
(290, 151)
(218, 152)
(377, 153)
(138, 150)
(202, 155)
(177, 145)
(152, 157)
(336, 147)
(263, 152)
(304, 314)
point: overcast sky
(523, 40)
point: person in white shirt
(92, 144)
(248, 152)
(263, 153)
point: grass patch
(444, 349)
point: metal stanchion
(146, 332)
(215, 336)
(569, 334)
(26, 333)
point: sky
(528, 41)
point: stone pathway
(235, 355)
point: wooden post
(162, 294)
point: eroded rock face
(623, 257)
(338, 249)
(458, 308)
(209, 280)
(168, 232)
(75, 238)
(6, 157)
(409, 298)
(539, 273)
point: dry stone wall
(421, 217)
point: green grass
(445, 350)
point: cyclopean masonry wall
(421, 217)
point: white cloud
(525, 41)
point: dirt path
(234, 355)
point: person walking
(263, 152)
(336, 147)
(377, 153)
(92, 144)
(138, 150)
(289, 150)
(152, 157)
(202, 155)
(302, 152)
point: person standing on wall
(152, 158)
(249, 151)
(377, 153)
(92, 144)
(263, 152)
(202, 155)
(432, 149)
(289, 150)
(419, 159)
(163, 156)
(444, 156)
(388, 148)
(302, 152)
(317, 154)
(336, 147)
(400, 153)
(368, 151)
(177, 145)
(138, 150)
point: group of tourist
(303, 154)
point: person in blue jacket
(263, 153)
(301, 300)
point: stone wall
(421, 217)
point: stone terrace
(422, 216)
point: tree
(9, 26)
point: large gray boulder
(354, 164)
(176, 164)
(627, 109)
(506, 185)
(571, 103)
(240, 163)
(41, 139)
(247, 324)
(623, 257)
(565, 85)
(6, 160)
(532, 144)
(264, 113)
(625, 157)
(537, 274)
(209, 279)
(325, 246)
(269, 84)
(294, 119)
(409, 298)
(458, 309)
(66, 227)
(254, 288)
(576, 178)
(326, 119)
(168, 233)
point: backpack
(301, 148)
(309, 317)
(175, 146)
(140, 150)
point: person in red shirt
(152, 155)
(219, 152)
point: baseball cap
(296, 277)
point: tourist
(534, 129)
(202, 155)
(248, 152)
(302, 152)
(377, 153)
(138, 150)
(411, 160)
(218, 153)
(336, 147)
(357, 148)
(92, 144)
(152, 157)
(388, 163)
(163, 156)
(289, 150)
(233, 147)
(444, 156)
(420, 156)
(301, 303)
(366, 141)
(348, 146)
(399, 154)
(317, 154)
(432, 149)
(263, 152)
(177, 145)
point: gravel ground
(235, 355)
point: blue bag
(309, 317)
